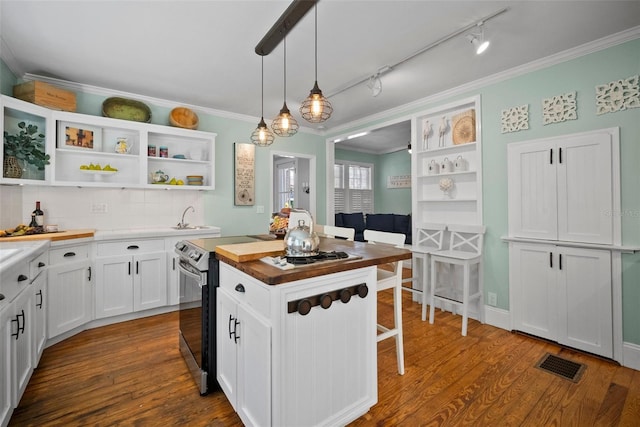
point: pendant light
(285, 125)
(316, 108)
(262, 136)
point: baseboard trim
(631, 355)
(497, 317)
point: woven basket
(183, 117)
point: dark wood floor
(132, 374)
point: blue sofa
(393, 223)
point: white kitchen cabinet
(39, 286)
(6, 371)
(100, 135)
(14, 111)
(69, 297)
(562, 188)
(130, 276)
(563, 294)
(459, 144)
(280, 367)
(97, 145)
(22, 329)
(244, 350)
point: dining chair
(391, 279)
(465, 249)
(343, 232)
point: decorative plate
(126, 109)
(464, 128)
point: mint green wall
(399, 163)
(7, 79)
(580, 75)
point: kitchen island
(297, 346)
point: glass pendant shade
(262, 136)
(316, 108)
(284, 125)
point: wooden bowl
(183, 117)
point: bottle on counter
(33, 222)
(38, 215)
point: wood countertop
(365, 254)
(60, 235)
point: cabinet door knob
(325, 301)
(240, 287)
(363, 290)
(22, 278)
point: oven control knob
(304, 306)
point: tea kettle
(159, 176)
(301, 240)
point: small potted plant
(26, 146)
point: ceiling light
(337, 140)
(375, 85)
(285, 125)
(316, 108)
(262, 136)
(478, 41)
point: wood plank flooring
(132, 374)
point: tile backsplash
(103, 208)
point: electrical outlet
(98, 208)
(259, 209)
(493, 299)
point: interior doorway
(293, 181)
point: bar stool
(465, 249)
(344, 232)
(428, 239)
(388, 280)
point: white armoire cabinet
(561, 189)
(567, 295)
(565, 239)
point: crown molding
(558, 58)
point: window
(285, 177)
(353, 187)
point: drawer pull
(69, 254)
(17, 334)
(21, 328)
(41, 264)
(89, 274)
(240, 287)
(132, 247)
(22, 278)
(1, 297)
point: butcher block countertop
(60, 235)
(361, 255)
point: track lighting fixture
(262, 136)
(285, 125)
(478, 41)
(316, 108)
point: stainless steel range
(199, 278)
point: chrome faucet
(182, 224)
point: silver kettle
(301, 240)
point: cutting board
(241, 252)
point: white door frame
(312, 177)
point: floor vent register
(564, 368)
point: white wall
(11, 207)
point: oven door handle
(187, 270)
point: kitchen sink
(191, 227)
